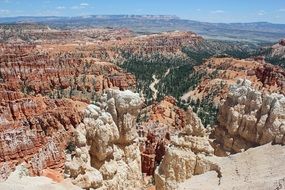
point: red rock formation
(271, 75)
(152, 152)
(64, 75)
(260, 59)
(35, 131)
(52, 174)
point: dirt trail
(154, 83)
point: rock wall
(248, 119)
(106, 151)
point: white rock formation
(248, 119)
(186, 156)
(107, 154)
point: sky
(225, 11)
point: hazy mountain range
(256, 31)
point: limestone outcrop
(186, 155)
(105, 153)
(249, 118)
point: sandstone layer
(218, 74)
(35, 131)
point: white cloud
(84, 4)
(60, 7)
(4, 11)
(218, 12)
(261, 13)
(281, 10)
(198, 10)
(80, 6)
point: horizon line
(154, 15)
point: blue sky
(201, 10)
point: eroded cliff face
(35, 70)
(35, 131)
(248, 119)
(36, 119)
(279, 49)
(106, 150)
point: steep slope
(43, 92)
(35, 70)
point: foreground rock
(248, 119)
(106, 151)
(20, 179)
(186, 155)
(260, 168)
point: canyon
(105, 108)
